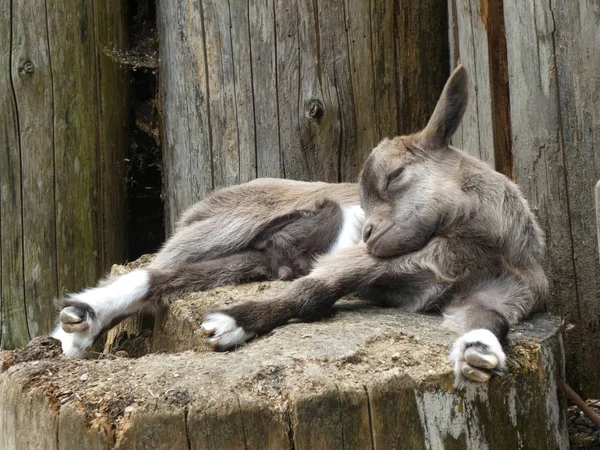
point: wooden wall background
(535, 115)
(298, 89)
(63, 114)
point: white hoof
(476, 356)
(224, 332)
(72, 321)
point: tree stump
(364, 378)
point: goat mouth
(374, 241)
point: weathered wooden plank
(73, 56)
(453, 39)
(310, 130)
(264, 426)
(57, 137)
(316, 418)
(184, 97)
(317, 103)
(393, 409)
(161, 430)
(291, 110)
(216, 424)
(35, 410)
(73, 428)
(264, 82)
(492, 16)
(538, 150)
(362, 74)
(32, 82)
(540, 156)
(334, 157)
(385, 44)
(244, 99)
(423, 64)
(14, 330)
(551, 130)
(113, 111)
(475, 134)
(576, 43)
(221, 86)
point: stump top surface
(359, 344)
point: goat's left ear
(448, 112)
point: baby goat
(427, 228)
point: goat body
(428, 227)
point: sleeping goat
(427, 228)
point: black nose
(367, 231)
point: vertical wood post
(62, 143)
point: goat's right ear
(448, 112)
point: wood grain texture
(63, 138)
(263, 51)
(475, 135)
(539, 167)
(419, 83)
(12, 285)
(186, 122)
(113, 122)
(222, 101)
(577, 59)
(32, 81)
(244, 93)
(492, 15)
(301, 90)
(71, 42)
(71, 422)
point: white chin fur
(224, 331)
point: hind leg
(85, 315)
(483, 314)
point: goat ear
(448, 112)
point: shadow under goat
(427, 228)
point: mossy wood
(364, 378)
(296, 89)
(62, 146)
(534, 103)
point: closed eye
(394, 175)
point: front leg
(309, 298)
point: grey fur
(442, 232)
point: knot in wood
(315, 109)
(27, 67)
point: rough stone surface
(366, 377)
